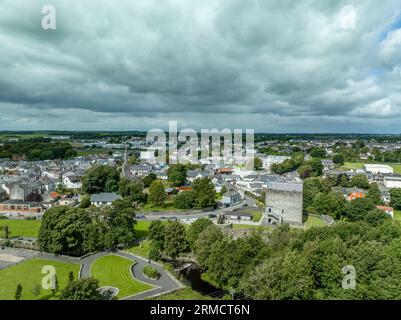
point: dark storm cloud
(268, 65)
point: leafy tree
(310, 168)
(343, 180)
(133, 160)
(318, 152)
(395, 196)
(258, 163)
(332, 204)
(70, 277)
(374, 194)
(147, 180)
(82, 289)
(282, 277)
(204, 242)
(157, 237)
(132, 189)
(358, 208)
(175, 239)
(305, 171)
(184, 200)
(177, 174)
(102, 178)
(85, 202)
(205, 194)
(18, 292)
(62, 230)
(311, 187)
(338, 158)
(223, 189)
(157, 194)
(360, 181)
(196, 228)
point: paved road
(163, 284)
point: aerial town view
(200, 150)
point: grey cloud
(274, 66)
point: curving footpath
(166, 282)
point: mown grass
(141, 249)
(22, 228)
(313, 221)
(115, 271)
(29, 275)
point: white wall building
(392, 181)
(378, 168)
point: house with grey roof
(104, 199)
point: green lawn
(22, 228)
(29, 275)
(312, 221)
(115, 271)
(397, 215)
(397, 168)
(141, 250)
(352, 165)
(359, 165)
(142, 228)
(183, 294)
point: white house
(378, 168)
(392, 181)
(72, 182)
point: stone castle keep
(284, 203)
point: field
(142, 228)
(312, 221)
(115, 271)
(397, 215)
(359, 165)
(352, 165)
(22, 228)
(142, 250)
(183, 294)
(29, 275)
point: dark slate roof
(105, 197)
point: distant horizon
(166, 130)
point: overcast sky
(273, 66)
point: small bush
(151, 272)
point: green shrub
(151, 272)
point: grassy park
(141, 249)
(142, 228)
(22, 228)
(115, 271)
(29, 275)
(313, 221)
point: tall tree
(81, 289)
(18, 292)
(177, 174)
(157, 193)
(205, 194)
(102, 178)
(175, 239)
